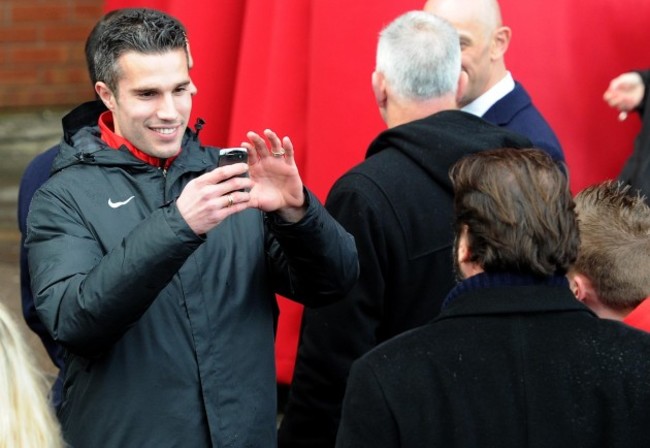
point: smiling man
(492, 93)
(151, 106)
(156, 270)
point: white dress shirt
(481, 104)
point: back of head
(26, 418)
(615, 243)
(518, 211)
(141, 30)
(419, 55)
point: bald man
(492, 93)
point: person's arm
(366, 421)
(312, 261)
(86, 298)
(333, 337)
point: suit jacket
(504, 365)
(516, 112)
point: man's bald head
(483, 38)
(485, 12)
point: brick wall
(41, 51)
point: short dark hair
(518, 210)
(93, 39)
(615, 243)
(143, 30)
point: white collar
(481, 104)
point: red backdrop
(302, 68)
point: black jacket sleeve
(645, 76)
(636, 170)
(313, 261)
(86, 299)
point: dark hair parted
(615, 243)
(518, 210)
(141, 30)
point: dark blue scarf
(497, 279)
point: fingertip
(286, 141)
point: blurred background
(302, 68)
(42, 75)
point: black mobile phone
(228, 156)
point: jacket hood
(436, 142)
(82, 141)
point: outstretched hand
(273, 185)
(625, 93)
(277, 186)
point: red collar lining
(107, 126)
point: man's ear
(500, 42)
(467, 267)
(582, 288)
(463, 80)
(464, 253)
(379, 89)
(105, 94)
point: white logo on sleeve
(112, 204)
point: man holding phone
(156, 269)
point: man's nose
(167, 108)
